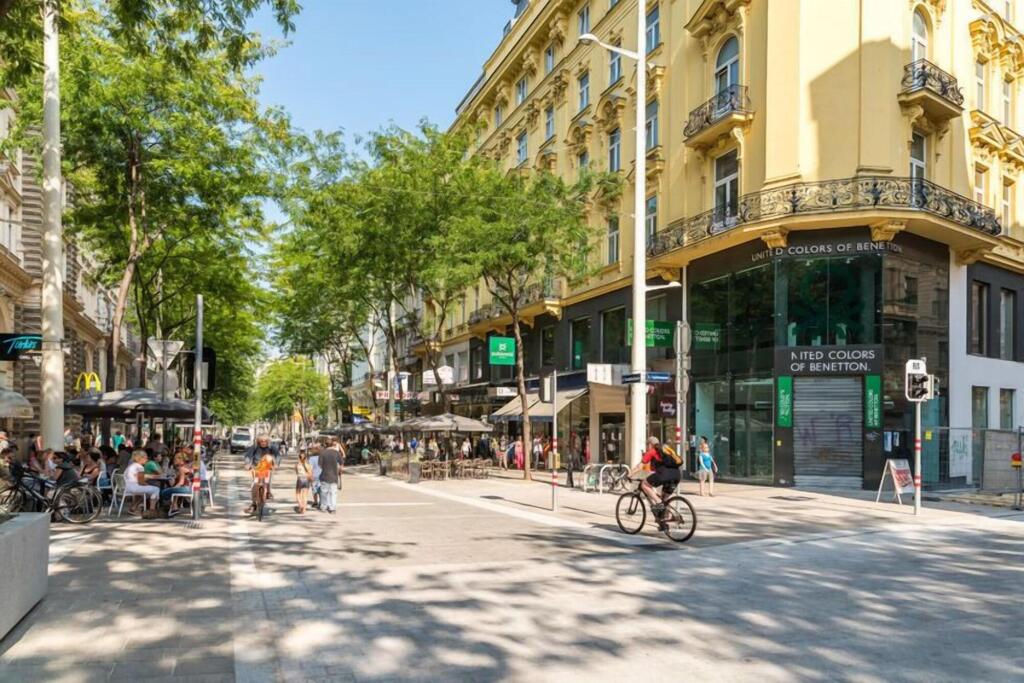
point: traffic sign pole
(917, 458)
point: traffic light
(917, 387)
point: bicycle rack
(587, 482)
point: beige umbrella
(13, 404)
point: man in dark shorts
(331, 466)
(664, 475)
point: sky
(359, 65)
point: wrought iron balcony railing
(922, 74)
(861, 193)
(731, 100)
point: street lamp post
(638, 391)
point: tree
(289, 385)
(531, 233)
(159, 153)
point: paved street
(474, 580)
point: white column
(52, 408)
(637, 431)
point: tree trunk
(521, 385)
(120, 304)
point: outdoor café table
(163, 481)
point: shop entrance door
(613, 432)
(828, 442)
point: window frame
(1006, 95)
(522, 147)
(549, 123)
(730, 69)
(583, 84)
(615, 150)
(499, 115)
(614, 66)
(549, 58)
(919, 41)
(981, 188)
(522, 90)
(1007, 324)
(731, 184)
(652, 27)
(651, 125)
(612, 241)
(583, 19)
(1006, 203)
(980, 298)
(919, 166)
(1005, 393)
(980, 78)
(650, 218)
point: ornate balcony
(726, 111)
(863, 193)
(931, 88)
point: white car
(241, 440)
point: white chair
(120, 493)
(108, 486)
(187, 497)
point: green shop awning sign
(784, 401)
(503, 351)
(873, 401)
(707, 337)
(660, 333)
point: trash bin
(414, 472)
(383, 466)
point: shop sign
(848, 247)
(707, 337)
(502, 351)
(446, 372)
(873, 402)
(606, 373)
(829, 360)
(660, 333)
(667, 408)
(359, 410)
(784, 401)
(502, 392)
(13, 345)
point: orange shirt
(264, 468)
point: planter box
(24, 560)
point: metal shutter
(828, 446)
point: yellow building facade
(837, 185)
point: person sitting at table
(89, 468)
(152, 468)
(135, 482)
(180, 484)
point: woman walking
(303, 480)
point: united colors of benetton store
(798, 355)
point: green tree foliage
(289, 385)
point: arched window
(727, 66)
(919, 40)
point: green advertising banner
(784, 401)
(707, 337)
(873, 401)
(503, 351)
(660, 333)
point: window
(651, 218)
(980, 185)
(979, 318)
(919, 40)
(612, 3)
(1007, 324)
(613, 240)
(727, 187)
(653, 28)
(918, 156)
(583, 160)
(583, 19)
(979, 407)
(584, 82)
(1006, 397)
(521, 91)
(613, 336)
(614, 67)
(979, 85)
(727, 67)
(1008, 103)
(615, 151)
(580, 343)
(521, 147)
(1008, 10)
(549, 123)
(549, 59)
(1007, 203)
(476, 363)
(498, 116)
(651, 127)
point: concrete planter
(24, 560)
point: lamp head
(588, 38)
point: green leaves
(288, 385)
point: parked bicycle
(76, 502)
(615, 479)
(675, 516)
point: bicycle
(615, 478)
(678, 518)
(77, 502)
(261, 486)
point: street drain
(792, 499)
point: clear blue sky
(362, 64)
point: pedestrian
(537, 451)
(706, 466)
(118, 440)
(331, 467)
(519, 453)
(314, 465)
(303, 479)
(465, 450)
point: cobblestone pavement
(478, 581)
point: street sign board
(12, 345)
(502, 351)
(648, 377)
(659, 334)
(784, 401)
(873, 401)
(164, 351)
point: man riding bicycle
(666, 475)
(255, 456)
(261, 479)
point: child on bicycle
(261, 476)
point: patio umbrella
(132, 402)
(446, 423)
(13, 404)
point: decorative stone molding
(547, 160)
(714, 17)
(885, 231)
(776, 239)
(559, 85)
(655, 164)
(532, 113)
(579, 135)
(528, 63)
(610, 109)
(991, 140)
(666, 274)
(937, 8)
(655, 79)
(559, 27)
(966, 257)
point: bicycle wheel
(630, 512)
(78, 504)
(11, 501)
(261, 499)
(680, 519)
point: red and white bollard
(554, 474)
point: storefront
(798, 354)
